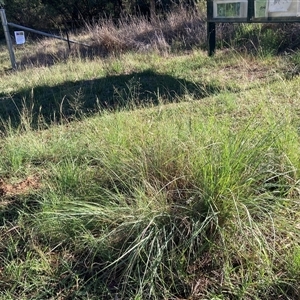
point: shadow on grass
(12, 206)
(72, 100)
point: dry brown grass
(180, 28)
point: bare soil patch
(30, 183)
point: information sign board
(236, 10)
(248, 11)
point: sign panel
(261, 8)
(230, 8)
(276, 8)
(20, 37)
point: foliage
(265, 39)
(27, 13)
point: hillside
(150, 175)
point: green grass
(149, 176)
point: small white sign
(20, 37)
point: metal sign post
(8, 39)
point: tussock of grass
(180, 28)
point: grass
(158, 175)
(141, 203)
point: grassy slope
(151, 177)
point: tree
(29, 13)
(76, 12)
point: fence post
(8, 39)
